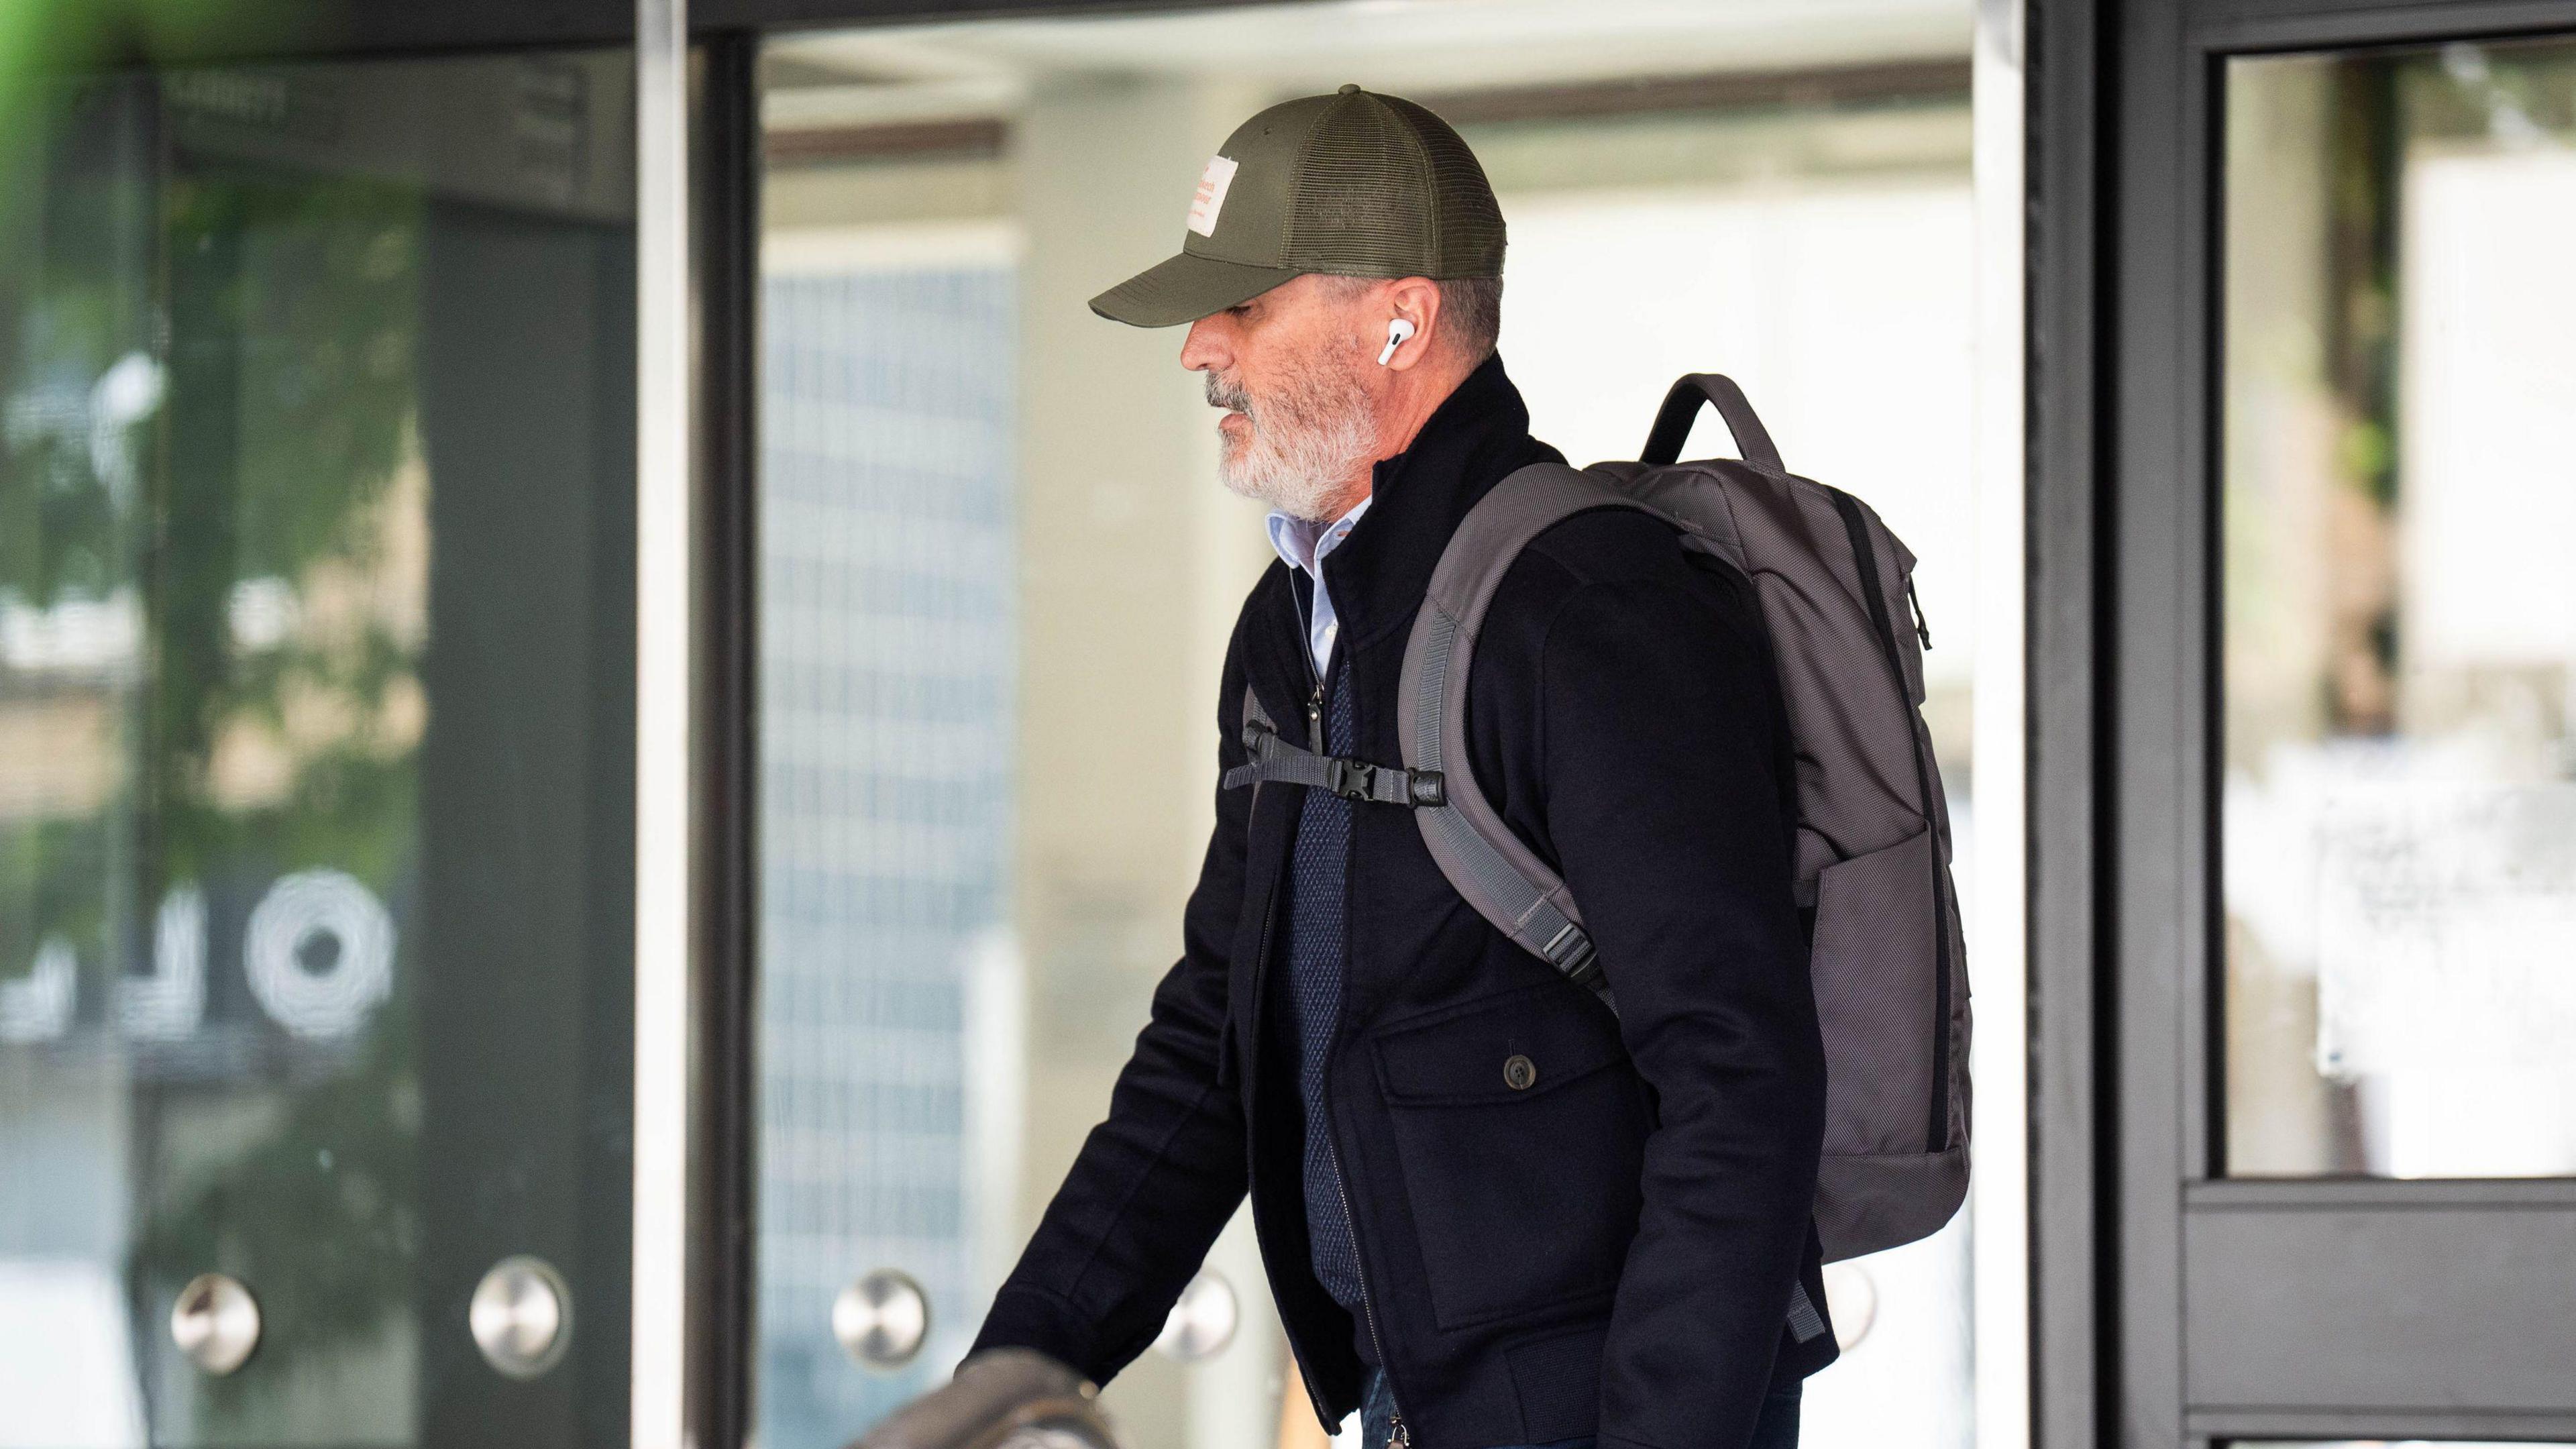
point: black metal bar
(2366, 1422)
(2074, 1343)
(2231, 26)
(787, 15)
(2339, 1194)
(90, 36)
(96, 35)
(725, 174)
(2156, 659)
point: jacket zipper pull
(1399, 1436)
(1315, 719)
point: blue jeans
(1776, 1429)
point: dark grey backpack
(1873, 852)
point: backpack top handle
(1681, 406)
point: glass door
(2345, 695)
(316, 739)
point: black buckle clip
(1350, 779)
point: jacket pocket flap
(1501, 1049)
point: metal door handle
(215, 1322)
(521, 1316)
(882, 1320)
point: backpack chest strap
(1274, 760)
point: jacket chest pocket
(1521, 1134)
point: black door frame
(2130, 1207)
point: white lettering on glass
(318, 954)
(40, 1007)
(169, 1003)
(310, 989)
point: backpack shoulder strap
(1501, 877)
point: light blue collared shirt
(1303, 545)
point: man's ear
(1416, 300)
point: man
(1492, 1213)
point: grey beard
(1307, 441)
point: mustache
(1230, 396)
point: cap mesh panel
(1363, 204)
(1470, 222)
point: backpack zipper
(1937, 1133)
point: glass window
(999, 573)
(2400, 641)
(316, 464)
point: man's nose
(1200, 351)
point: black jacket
(1611, 1248)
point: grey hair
(1471, 310)
(1473, 306)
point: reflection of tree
(320, 1216)
(72, 293)
(282, 311)
(292, 314)
(74, 312)
(297, 336)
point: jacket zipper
(1399, 1436)
(1306, 656)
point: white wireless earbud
(1396, 332)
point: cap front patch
(1211, 195)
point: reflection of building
(887, 682)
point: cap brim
(1184, 288)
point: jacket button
(1519, 1072)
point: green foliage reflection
(208, 374)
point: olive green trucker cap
(1355, 182)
